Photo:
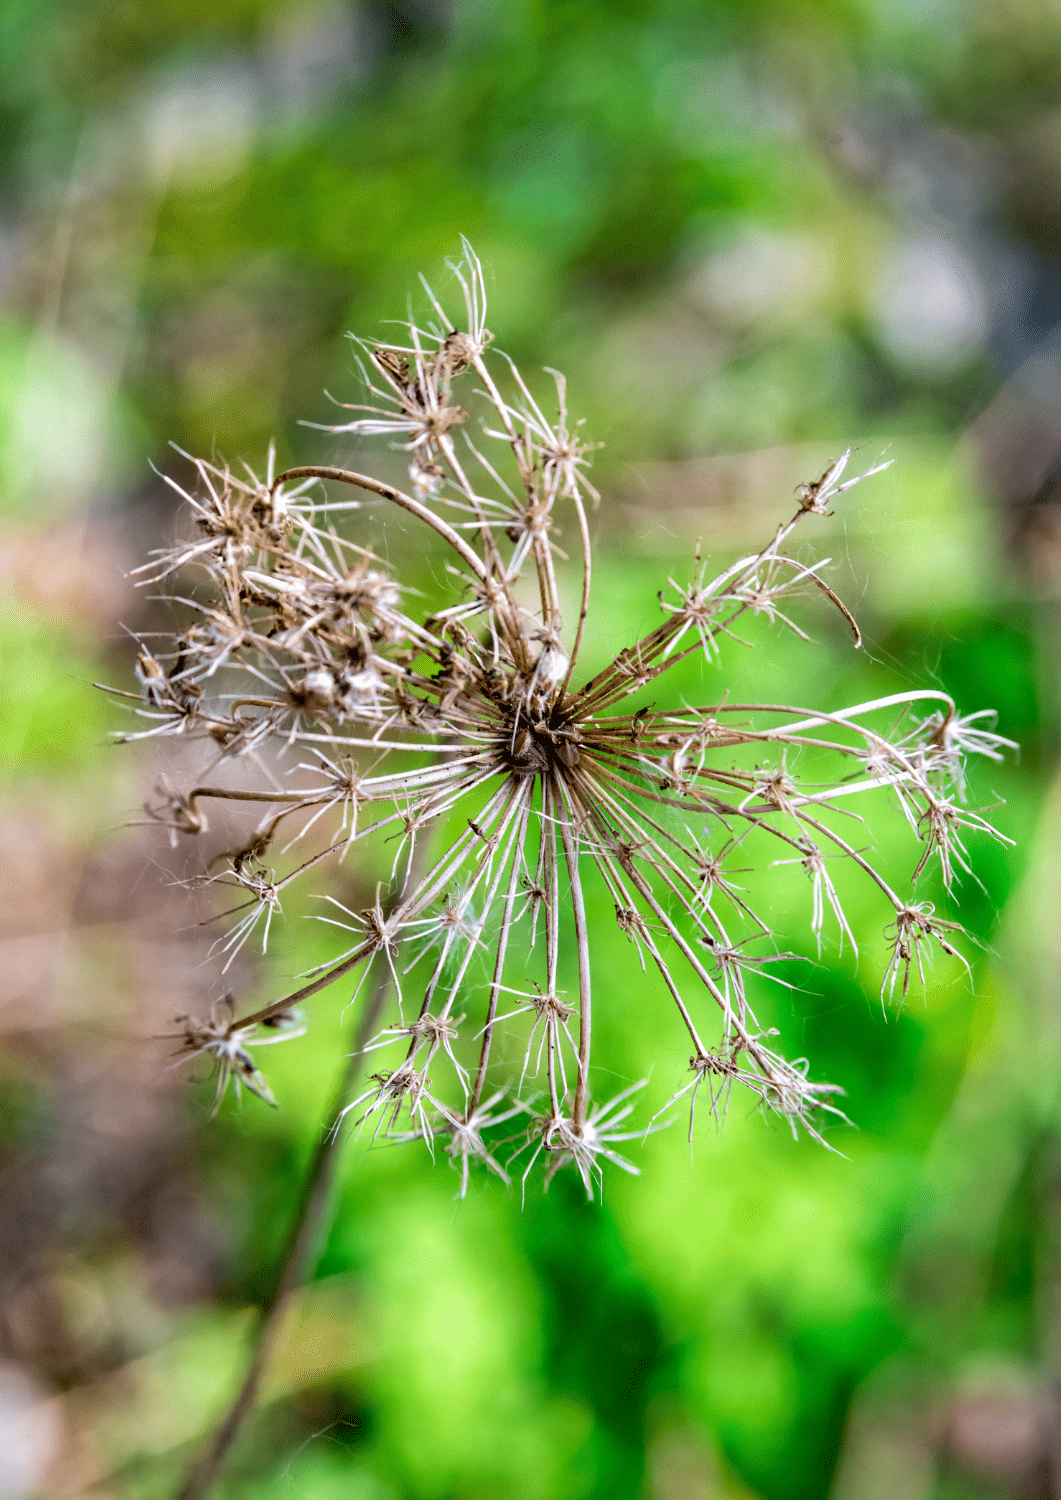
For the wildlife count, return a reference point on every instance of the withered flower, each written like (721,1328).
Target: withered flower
(470,728)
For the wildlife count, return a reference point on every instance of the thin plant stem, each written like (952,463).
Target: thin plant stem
(298,1256)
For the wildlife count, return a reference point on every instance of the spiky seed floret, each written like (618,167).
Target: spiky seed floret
(303,642)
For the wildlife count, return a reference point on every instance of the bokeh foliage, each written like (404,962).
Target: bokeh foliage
(732,225)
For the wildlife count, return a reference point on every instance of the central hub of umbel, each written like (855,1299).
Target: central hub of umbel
(542,746)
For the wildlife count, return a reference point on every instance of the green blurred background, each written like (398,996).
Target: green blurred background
(751,234)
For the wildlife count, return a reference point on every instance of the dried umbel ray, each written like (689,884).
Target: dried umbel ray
(472,730)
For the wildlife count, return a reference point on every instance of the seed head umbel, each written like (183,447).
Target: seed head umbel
(338,715)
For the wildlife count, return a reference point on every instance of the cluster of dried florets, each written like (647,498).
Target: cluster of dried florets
(467,729)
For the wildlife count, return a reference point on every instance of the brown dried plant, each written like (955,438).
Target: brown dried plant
(469,728)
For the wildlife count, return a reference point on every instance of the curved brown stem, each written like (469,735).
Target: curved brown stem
(399,497)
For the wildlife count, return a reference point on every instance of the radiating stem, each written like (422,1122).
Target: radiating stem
(585,1005)
(587,579)
(499,964)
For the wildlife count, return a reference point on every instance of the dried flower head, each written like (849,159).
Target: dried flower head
(469,729)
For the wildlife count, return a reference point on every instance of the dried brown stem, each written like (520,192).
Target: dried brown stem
(388,492)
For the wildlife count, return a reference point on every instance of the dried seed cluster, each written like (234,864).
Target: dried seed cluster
(469,728)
